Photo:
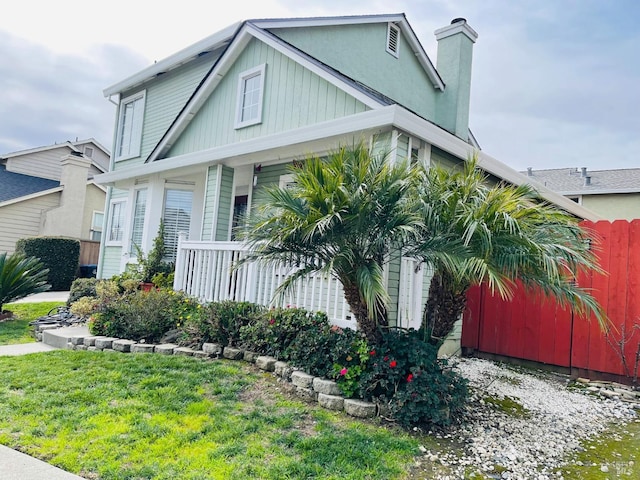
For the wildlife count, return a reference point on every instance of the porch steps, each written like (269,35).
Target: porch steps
(60,337)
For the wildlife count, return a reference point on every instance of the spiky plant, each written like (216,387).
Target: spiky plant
(20,276)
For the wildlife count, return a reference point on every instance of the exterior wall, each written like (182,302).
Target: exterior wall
(45,164)
(293,97)
(210,202)
(366,60)
(217,203)
(223,226)
(23,219)
(165,97)
(625,206)
(93,201)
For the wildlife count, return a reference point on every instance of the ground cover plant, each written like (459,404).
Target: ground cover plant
(17,329)
(157,417)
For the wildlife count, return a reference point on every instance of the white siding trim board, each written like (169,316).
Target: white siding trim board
(31,196)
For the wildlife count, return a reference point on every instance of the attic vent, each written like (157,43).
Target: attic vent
(393,39)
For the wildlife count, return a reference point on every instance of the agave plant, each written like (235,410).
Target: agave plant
(20,276)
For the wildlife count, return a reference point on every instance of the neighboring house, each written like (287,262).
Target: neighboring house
(200,133)
(612,194)
(50,191)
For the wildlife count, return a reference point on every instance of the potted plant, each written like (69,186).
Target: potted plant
(152,264)
(20,276)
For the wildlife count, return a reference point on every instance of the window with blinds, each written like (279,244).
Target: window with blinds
(178,205)
(137,224)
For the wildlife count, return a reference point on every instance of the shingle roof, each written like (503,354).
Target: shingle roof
(15,185)
(568,181)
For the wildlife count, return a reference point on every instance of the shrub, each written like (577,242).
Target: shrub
(150,265)
(59,255)
(220,322)
(85,306)
(139,315)
(405,375)
(20,276)
(82,287)
(273,332)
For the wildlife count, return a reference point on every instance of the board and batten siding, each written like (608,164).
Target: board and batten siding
(366,60)
(165,98)
(45,164)
(224,205)
(217,205)
(24,219)
(293,97)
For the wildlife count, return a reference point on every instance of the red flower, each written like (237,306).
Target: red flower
(343,372)
(393,364)
(372,353)
(410,378)
(272,321)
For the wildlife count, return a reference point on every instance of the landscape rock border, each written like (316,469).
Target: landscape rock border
(308,387)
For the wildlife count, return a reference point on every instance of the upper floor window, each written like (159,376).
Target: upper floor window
(129,133)
(393,39)
(250,92)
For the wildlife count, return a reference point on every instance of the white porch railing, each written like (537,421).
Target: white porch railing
(203,270)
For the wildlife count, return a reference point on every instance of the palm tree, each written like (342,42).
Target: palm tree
(346,214)
(20,276)
(507,233)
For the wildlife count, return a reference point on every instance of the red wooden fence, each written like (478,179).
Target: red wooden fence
(533,327)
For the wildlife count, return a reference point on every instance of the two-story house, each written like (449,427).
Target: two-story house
(200,132)
(51,191)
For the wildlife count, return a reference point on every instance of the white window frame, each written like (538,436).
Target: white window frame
(133,253)
(107,239)
(243,77)
(135,142)
(396,29)
(185,187)
(96,227)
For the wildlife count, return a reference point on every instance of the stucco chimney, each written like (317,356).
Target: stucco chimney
(66,219)
(455,54)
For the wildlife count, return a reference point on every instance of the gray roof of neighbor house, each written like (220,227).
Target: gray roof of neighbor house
(582,181)
(16,185)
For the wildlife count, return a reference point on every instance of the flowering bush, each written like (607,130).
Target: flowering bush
(405,376)
(350,364)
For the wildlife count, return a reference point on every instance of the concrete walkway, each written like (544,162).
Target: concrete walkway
(15,465)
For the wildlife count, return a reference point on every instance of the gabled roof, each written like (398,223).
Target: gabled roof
(224,37)
(581,181)
(16,185)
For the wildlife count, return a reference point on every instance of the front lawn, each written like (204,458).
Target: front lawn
(17,329)
(113,416)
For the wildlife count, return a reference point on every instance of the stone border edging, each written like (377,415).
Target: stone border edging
(325,392)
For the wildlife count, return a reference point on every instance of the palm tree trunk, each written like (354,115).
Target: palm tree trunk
(367,325)
(443,309)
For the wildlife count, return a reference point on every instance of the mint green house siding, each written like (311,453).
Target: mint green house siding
(165,97)
(217,204)
(293,97)
(223,226)
(366,60)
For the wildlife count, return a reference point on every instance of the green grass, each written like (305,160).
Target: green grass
(142,416)
(17,329)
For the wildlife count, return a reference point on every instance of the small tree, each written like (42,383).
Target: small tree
(154,263)
(20,276)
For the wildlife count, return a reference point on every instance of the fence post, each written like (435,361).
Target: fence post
(178,279)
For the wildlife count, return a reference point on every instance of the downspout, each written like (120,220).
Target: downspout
(105,219)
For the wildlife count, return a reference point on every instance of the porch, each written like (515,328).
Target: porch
(204,270)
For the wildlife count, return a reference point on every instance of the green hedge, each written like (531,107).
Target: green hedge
(59,255)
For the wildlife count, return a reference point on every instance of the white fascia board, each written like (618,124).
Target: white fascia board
(352,124)
(600,192)
(207,44)
(39,149)
(31,196)
(444,140)
(398,18)
(248,32)
(94,141)
(95,184)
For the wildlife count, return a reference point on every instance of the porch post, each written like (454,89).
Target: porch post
(178,279)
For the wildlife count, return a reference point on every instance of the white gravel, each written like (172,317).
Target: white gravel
(532,443)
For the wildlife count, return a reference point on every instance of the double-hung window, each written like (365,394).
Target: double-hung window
(250,93)
(115,229)
(95,233)
(137,224)
(129,133)
(178,204)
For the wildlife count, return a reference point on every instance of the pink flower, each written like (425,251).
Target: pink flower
(272,321)
(393,364)
(343,372)
(372,353)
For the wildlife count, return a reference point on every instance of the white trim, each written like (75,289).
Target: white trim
(285,180)
(135,144)
(392,27)
(31,196)
(596,192)
(455,28)
(107,233)
(39,149)
(209,43)
(258,71)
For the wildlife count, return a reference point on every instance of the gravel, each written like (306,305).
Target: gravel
(530,434)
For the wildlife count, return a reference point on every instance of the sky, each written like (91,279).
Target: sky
(555,83)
